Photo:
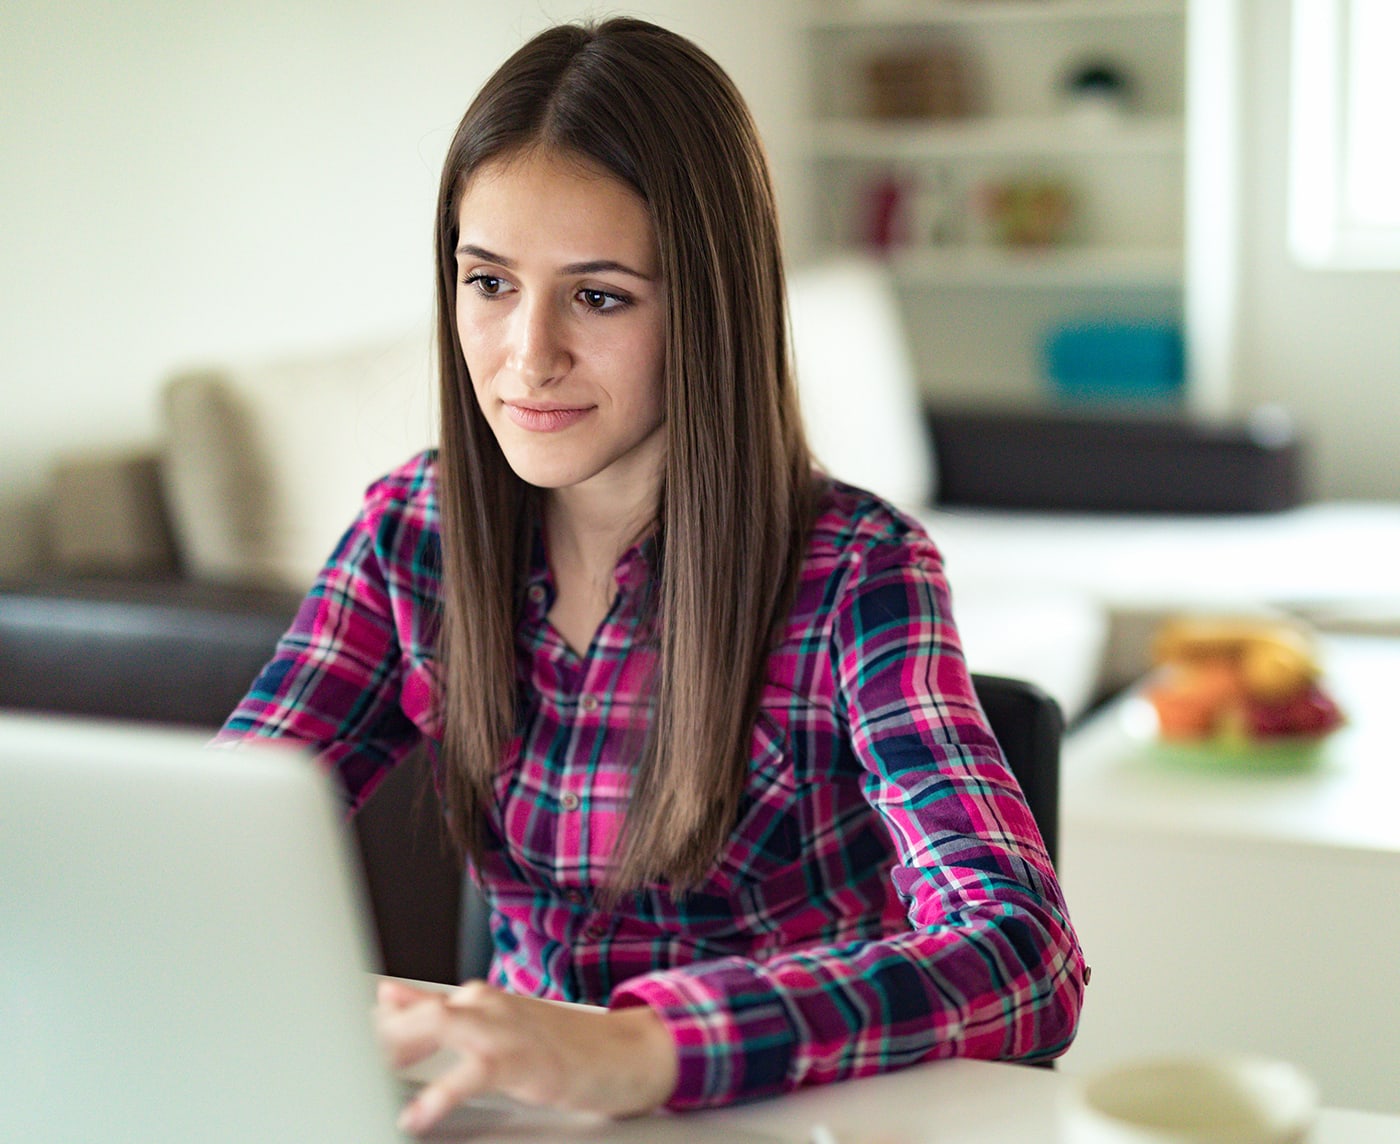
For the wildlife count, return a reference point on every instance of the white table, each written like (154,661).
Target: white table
(949,1102)
(1253,912)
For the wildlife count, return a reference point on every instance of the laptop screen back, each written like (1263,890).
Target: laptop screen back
(183,953)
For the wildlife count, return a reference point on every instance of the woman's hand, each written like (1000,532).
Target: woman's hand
(538,1052)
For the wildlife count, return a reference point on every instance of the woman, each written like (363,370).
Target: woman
(702,721)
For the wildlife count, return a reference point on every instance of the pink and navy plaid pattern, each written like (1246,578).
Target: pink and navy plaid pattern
(885,897)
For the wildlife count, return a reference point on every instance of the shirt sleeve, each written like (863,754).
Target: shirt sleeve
(336,678)
(989,965)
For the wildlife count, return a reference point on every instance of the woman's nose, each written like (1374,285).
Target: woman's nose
(538,353)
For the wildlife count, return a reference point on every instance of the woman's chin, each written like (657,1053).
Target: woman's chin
(548,476)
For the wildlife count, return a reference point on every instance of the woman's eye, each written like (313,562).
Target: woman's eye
(487,285)
(601,300)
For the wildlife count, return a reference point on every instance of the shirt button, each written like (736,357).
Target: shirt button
(569,801)
(594,930)
(574,896)
(589,703)
(536,593)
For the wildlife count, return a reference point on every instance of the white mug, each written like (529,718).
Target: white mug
(1195,1100)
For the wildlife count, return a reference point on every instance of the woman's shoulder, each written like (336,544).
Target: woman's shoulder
(414,479)
(409,488)
(400,509)
(859,542)
(849,519)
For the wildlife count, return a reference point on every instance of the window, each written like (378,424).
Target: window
(1344,194)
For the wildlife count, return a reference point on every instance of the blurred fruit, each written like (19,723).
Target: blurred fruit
(1274,671)
(1180,716)
(1215,682)
(1311,713)
(1238,681)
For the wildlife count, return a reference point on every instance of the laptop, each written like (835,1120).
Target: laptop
(185,955)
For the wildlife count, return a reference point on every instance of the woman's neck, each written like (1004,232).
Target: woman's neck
(586,535)
(589,528)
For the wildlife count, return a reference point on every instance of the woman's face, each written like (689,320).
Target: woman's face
(562,316)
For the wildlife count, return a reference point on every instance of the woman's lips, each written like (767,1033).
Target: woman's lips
(546,420)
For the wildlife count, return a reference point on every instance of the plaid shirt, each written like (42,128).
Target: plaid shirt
(885,896)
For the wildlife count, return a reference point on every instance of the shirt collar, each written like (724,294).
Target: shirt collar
(634,569)
(539,585)
(638,564)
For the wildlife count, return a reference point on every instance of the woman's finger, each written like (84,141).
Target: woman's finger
(398,995)
(473,993)
(467,1078)
(408,1035)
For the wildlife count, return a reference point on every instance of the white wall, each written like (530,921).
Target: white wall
(1325,344)
(186,181)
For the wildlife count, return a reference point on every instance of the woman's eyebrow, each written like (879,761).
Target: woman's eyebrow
(594,266)
(603,266)
(485,255)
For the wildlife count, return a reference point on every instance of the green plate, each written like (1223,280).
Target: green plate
(1272,756)
(1224,753)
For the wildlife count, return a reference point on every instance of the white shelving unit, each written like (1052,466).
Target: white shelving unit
(1080,267)
(979,311)
(861,139)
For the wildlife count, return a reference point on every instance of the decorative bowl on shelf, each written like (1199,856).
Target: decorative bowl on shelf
(1027,213)
(1114,359)
(930,82)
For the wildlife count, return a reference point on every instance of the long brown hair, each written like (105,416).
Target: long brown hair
(661,116)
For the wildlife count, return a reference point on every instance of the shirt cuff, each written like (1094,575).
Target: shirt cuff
(734,1037)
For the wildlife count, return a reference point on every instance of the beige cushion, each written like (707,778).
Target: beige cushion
(106,515)
(855,378)
(266,465)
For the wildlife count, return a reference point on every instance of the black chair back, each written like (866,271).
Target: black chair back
(1029,726)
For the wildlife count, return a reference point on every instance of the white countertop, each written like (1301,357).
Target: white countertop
(948,1102)
(1254,912)
(1114,775)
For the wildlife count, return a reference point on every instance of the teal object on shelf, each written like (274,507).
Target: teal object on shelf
(1133,361)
